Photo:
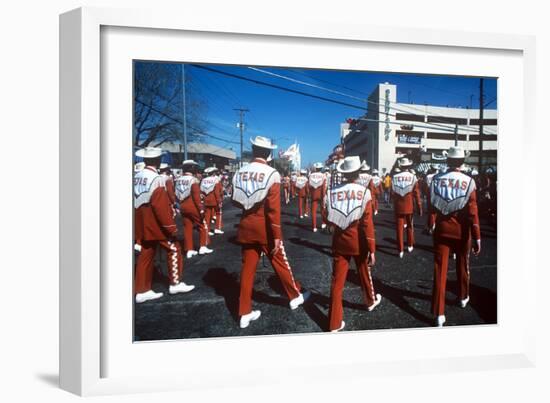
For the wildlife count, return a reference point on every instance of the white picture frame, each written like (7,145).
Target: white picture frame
(85,345)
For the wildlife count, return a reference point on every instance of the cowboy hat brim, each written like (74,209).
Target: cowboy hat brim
(341,169)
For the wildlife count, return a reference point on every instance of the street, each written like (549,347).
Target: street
(405,285)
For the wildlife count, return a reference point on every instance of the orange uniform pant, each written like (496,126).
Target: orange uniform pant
(375,202)
(250,257)
(292,190)
(191,221)
(144,267)
(209,213)
(400,221)
(301,201)
(340,266)
(314,205)
(443,247)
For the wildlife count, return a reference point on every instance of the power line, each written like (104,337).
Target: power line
(258,82)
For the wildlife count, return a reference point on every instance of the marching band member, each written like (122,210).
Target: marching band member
(192,209)
(210,194)
(303,192)
(349,210)
(431,214)
(166,173)
(286,188)
(219,208)
(454,200)
(316,188)
(365,179)
(256,189)
(377,182)
(293,178)
(404,192)
(155,226)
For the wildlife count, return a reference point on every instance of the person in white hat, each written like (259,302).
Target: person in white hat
(317,188)
(302,190)
(349,211)
(405,191)
(293,177)
(192,209)
(218,230)
(365,179)
(166,173)
(285,180)
(210,194)
(378,189)
(155,226)
(454,200)
(256,190)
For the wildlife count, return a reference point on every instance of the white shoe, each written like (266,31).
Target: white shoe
(218,231)
(180,287)
(148,296)
(323,226)
(204,250)
(410,248)
(454,256)
(401,255)
(464,302)
(249,317)
(296,302)
(375,212)
(191,253)
(375,303)
(301,216)
(137,247)
(305,215)
(211,233)
(340,328)
(404,225)
(314,229)
(440,320)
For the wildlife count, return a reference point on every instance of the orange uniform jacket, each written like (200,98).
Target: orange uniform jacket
(212,199)
(355,238)
(193,204)
(262,223)
(405,204)
(316,193)
(303,192)
(460,224)
(169,183)
(154,221)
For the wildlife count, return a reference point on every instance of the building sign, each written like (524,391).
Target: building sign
(408,139)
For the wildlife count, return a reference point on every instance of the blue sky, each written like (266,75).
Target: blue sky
(314,123)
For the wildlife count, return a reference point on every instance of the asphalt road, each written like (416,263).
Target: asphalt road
(405,285)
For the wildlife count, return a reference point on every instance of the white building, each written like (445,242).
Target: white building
(391,129)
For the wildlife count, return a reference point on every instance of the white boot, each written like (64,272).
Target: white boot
(464,302)
(375,303)
(314,229)
(191,253)
(210,233)
(180,287)
(147,296)
(323,226)
(296,302)
(410,249)
(440,320)
(218,231)
(401,255)
(340,328)
(249,317)
(204,250)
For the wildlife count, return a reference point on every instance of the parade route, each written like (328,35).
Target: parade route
(405,285)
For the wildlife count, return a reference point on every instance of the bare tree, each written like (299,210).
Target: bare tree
(158,105)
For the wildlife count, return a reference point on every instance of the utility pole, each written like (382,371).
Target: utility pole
(241,127)
(456,135)
(184,112)
(481,106)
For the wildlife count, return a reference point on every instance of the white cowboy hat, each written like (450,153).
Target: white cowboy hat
(349,165)
(404,162)
(456,152)
(149,152)
(139,166)
(209,169)
(318,165)
(365,166)
(189,162)
(164,165)
(374,171)
(263,142)
(303,171)
(475,172)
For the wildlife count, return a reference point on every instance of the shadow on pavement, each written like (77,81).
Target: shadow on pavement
(225,285)
(324,249)
(482,300)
